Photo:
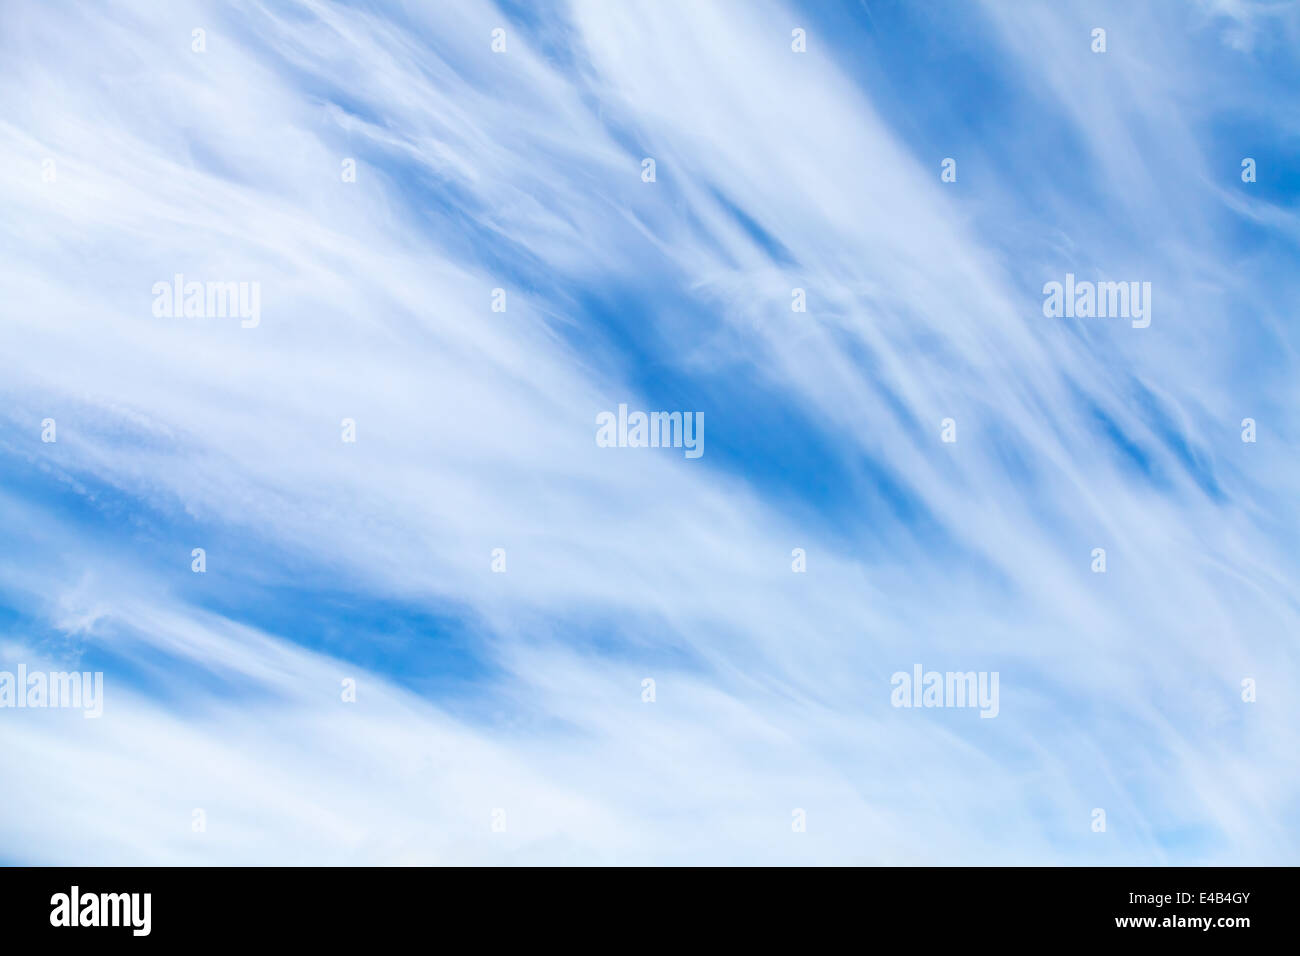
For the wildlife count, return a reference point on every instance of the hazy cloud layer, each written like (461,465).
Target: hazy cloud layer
(522,691)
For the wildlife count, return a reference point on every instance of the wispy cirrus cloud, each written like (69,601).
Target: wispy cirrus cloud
(522,691)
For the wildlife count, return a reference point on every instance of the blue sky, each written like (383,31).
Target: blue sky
(131,157)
